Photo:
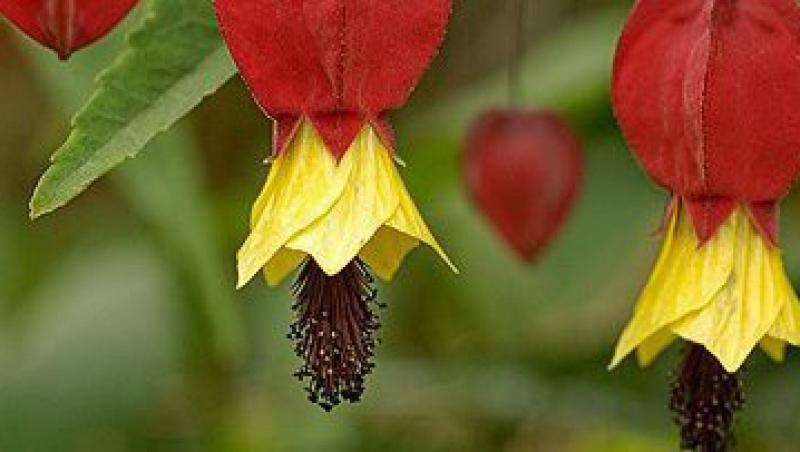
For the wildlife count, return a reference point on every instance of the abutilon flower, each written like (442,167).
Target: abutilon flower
(66,26)
(706,93)
(523,170)
(329,72)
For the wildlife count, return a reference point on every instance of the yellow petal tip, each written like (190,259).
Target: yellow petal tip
(615,361)
(245,274)
(453,268)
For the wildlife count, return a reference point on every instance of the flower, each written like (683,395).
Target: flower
(523,170)
(66,26)
(705,92)
(329,73)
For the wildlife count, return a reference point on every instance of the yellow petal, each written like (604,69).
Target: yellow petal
(686,277)
(649,350)
(407,219)
(368,200)
(282,264)
(303,184)
(386,250)
(787,325)
(332,211)
(786,329)
(740,315)
(774,348)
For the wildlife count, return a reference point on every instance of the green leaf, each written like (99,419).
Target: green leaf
(172,62)
(164,189)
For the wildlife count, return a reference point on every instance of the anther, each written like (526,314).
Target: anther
(334,332)
(705,401)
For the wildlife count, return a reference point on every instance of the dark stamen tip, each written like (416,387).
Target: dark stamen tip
(334,332)
(705,401)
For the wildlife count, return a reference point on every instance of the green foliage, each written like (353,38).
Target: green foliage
(165,189)
(173,61)
(107,349)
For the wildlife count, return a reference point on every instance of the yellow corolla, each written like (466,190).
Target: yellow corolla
(728,295)
(333,211)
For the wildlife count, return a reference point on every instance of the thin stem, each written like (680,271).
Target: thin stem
(516,50)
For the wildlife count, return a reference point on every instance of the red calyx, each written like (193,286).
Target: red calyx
(66,26)
(706,93)
(339,63)
(523,170)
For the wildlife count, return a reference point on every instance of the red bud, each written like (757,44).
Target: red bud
(707,94)
(523,171)
(340,63)
(66,25)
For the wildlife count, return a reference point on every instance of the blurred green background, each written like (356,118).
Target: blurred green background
(120,329)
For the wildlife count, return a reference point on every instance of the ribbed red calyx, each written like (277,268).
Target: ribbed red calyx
(707,95)
(523,170)
(66,26)
(339,63)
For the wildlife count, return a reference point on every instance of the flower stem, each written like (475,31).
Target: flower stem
(516,51)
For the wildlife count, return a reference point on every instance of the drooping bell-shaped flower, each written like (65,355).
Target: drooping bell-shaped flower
(523,170)
(66,26)
(706,93)
(329,72)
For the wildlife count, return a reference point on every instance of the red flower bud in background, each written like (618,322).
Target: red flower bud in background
(707,95)
(523,170)
(66,26)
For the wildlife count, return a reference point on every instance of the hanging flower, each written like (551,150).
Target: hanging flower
(66,26)
(328,73)
(523,170)
(706,92)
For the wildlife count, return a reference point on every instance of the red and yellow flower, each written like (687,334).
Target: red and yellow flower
(706,93)
(328,73)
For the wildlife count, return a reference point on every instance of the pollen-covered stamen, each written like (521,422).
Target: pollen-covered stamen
(705,400)
(334,332)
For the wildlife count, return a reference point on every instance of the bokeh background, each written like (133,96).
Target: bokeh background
(120,329)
